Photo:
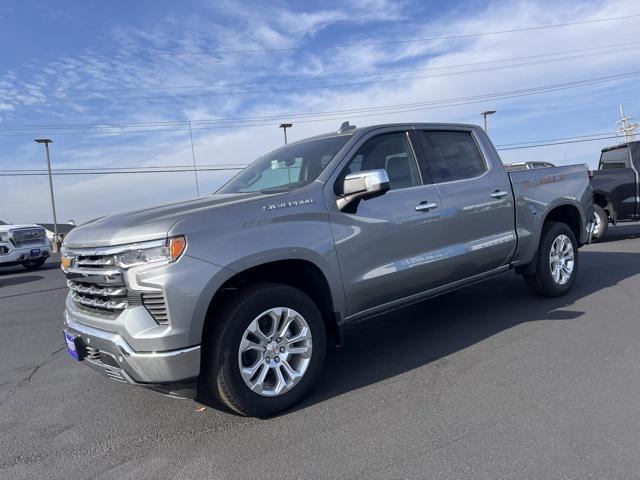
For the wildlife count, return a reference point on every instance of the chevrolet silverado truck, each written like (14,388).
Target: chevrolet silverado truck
(234,298)
(25,245)
(616,187)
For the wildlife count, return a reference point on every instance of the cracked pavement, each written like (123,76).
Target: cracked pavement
(485,382)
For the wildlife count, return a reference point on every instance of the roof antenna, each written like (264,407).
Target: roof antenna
(345,127)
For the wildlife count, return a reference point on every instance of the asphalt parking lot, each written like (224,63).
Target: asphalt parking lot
(486,382)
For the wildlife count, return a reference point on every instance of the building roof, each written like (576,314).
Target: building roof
(63,228)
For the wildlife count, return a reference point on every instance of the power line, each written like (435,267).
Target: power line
(558,143)
(556,139)
(188,169)
(336,114)
(150,167)
(111,172)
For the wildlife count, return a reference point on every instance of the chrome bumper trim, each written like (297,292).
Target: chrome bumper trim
(137,367)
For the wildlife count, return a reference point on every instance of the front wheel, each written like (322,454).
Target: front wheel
(557,262)
(34,264)
(264,350)
(601,223)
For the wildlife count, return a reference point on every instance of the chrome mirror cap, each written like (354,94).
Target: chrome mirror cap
(367,183)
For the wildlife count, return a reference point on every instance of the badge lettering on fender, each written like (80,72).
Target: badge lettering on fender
(292,203)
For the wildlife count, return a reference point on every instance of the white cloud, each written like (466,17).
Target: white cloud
(233,26)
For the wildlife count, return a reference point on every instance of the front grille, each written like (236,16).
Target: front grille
(156,306)
(29,237)
(97,286)
(102,298)
(95,261)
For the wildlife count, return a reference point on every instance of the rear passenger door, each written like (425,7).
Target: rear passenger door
(477,201)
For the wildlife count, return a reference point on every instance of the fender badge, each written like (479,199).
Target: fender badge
(292,203)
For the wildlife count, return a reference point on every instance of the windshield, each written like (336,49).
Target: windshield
(286,168)
(618,158)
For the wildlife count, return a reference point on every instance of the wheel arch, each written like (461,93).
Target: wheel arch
(602,200)
(301,273)
(567,213)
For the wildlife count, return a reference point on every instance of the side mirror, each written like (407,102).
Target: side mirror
(367,183)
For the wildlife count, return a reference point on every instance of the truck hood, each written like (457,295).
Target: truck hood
(149,223)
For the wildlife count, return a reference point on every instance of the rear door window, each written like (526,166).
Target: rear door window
(451,156)
(618,158)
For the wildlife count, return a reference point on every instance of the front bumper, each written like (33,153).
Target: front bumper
(16,256)
(109,353)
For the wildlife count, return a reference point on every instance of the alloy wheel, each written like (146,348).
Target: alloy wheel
(561,259)
(275,351)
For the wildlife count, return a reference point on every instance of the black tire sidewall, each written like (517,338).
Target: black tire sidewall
(34,264)
(604,222)
(256,301)
(550,233)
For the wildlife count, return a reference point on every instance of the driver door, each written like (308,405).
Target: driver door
(389,247)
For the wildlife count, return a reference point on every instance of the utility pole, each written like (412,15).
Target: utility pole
(284,127)
(627,128)
(46,142)
(193,156)
(485,115)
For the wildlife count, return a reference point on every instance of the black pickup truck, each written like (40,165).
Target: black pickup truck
(616,187)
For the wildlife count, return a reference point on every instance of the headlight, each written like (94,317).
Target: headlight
(170,252)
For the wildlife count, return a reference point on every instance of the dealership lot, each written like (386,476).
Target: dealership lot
(487,382)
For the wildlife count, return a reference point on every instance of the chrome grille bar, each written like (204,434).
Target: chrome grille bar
(93,289)
(109,305)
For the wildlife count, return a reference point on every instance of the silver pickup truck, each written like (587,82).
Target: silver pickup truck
(25,245)
(234,297)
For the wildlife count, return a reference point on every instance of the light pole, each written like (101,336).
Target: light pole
(46,142)
(193,156)
(485,115)
(284,127)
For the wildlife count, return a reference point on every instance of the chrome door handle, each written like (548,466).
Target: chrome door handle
(425,207)
(499,194)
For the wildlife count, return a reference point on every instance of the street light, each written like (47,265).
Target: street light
(485,114)
(284,127)
(46,142)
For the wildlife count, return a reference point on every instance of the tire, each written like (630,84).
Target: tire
(601,223)
(543,281)
(34,264)
(262,305)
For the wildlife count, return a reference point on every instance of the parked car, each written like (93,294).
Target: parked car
(616,187)
(240,292)
(25,245)
(512,167)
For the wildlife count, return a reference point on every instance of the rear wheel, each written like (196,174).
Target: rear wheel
(557,262)
(264,351)
(34,264)
(601,223)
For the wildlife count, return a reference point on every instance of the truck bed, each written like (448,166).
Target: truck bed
(531,191)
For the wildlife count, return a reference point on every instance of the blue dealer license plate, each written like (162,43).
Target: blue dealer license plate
(72,345)
(35,252)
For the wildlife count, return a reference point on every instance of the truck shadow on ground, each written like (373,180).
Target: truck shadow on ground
(415,336)
(18,269)
(11,281)
(622,232)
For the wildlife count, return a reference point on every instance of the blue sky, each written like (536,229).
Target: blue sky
(147,67)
